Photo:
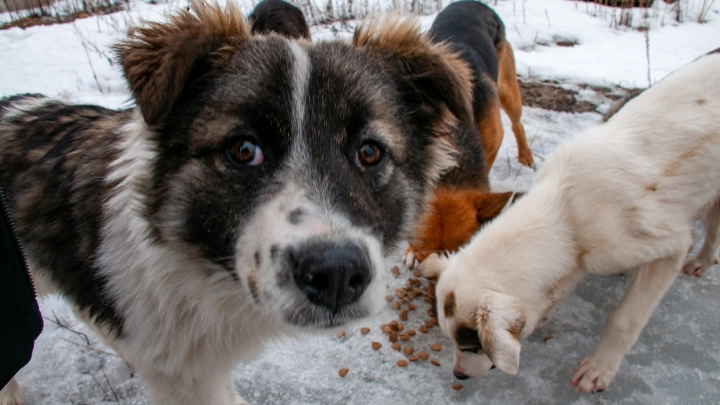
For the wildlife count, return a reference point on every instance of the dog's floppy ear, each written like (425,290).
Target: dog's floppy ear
(434,81)
(159,59)
(490,205)
(499,325)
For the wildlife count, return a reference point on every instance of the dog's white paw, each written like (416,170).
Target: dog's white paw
(696,267)
(433,265)
(409,259)
(594,373)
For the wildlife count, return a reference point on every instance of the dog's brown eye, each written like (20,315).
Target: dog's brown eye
(246,153)
(369,154)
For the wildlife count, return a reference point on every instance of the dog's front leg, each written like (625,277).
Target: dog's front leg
(707,256)
(647,287)
(208,389)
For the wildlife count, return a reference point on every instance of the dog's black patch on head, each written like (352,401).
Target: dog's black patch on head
(467,339)
(249,101)
(348,96)
(296,216)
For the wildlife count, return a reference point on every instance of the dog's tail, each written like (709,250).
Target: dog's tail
(6,102)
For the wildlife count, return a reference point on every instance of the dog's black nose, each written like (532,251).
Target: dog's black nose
(460,376)
(332,275)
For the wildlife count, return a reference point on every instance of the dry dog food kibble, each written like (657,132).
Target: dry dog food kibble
(413,358)
(364,331)
(404,337)
(411,332)
(400,292)
(435,363)
(408,350)
(343,372)
(341,334)
(402,363)
(396,346)
(395,270)
(393,338)
(376,345)
(457,387)
(423,328)
(416,273)
(435,347)
(423,354)
(388,298)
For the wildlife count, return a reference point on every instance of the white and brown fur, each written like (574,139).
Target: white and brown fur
(621,197)
(186,259)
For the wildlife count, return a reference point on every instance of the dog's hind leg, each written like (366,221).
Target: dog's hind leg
(491,131)
(707,256)
(10,395)
(647,287)
(511,101)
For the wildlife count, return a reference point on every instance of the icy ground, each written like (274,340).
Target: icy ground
(676,361)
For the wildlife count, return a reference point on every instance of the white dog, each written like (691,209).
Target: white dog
(620,198)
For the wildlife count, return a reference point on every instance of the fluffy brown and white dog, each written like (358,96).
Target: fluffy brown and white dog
(620,198)
(463,201)
(253,192)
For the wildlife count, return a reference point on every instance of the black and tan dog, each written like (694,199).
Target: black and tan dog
(477,33)
(463,201)
(280,17)
(253,191)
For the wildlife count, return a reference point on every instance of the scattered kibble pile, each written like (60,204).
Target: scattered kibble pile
(405,300)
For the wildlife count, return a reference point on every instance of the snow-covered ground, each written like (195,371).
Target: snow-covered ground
(676,361)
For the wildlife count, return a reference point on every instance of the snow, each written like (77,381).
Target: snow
(676,361)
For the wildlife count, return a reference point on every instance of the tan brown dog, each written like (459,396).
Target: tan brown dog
(463,201)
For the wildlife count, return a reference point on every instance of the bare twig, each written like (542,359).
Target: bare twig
(647,54)
(98,383)
(110,385)
(64,325)
(91,348)
(548,17)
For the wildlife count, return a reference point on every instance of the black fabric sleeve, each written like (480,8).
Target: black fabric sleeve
(20,319)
